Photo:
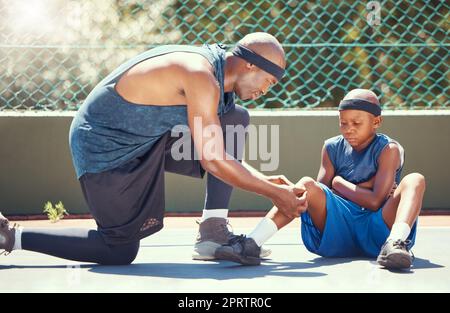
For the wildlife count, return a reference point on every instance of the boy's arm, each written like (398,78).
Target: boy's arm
(372,199)
(326,171)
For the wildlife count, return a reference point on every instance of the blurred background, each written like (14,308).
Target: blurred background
(53,52)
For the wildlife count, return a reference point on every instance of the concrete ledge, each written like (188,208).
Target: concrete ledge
(36,166)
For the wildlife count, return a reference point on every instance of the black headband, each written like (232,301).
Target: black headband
(361,105)
(261,62)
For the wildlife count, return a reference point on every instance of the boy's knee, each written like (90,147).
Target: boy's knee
(307,182)
(239,116)
(414,180)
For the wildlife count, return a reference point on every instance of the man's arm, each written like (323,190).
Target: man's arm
(384,180)
(326,171)
(254,171)
(202,96)
(276,179)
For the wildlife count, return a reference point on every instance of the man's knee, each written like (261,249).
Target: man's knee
(239,116)
(414,180)
(121,255)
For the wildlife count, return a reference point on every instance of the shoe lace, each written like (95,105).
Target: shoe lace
(227,228)
(236,239)
(4,223)
(403,244)
(222,229)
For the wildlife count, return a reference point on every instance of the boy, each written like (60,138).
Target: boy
(358,206)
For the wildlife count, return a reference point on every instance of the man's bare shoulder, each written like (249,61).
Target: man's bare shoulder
(194,63)
(197,72)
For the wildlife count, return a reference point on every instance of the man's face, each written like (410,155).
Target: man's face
(357,126)
(253,84)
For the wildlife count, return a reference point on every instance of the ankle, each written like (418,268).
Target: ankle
(18,238)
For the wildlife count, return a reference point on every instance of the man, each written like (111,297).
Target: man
(121,147)
(358,206)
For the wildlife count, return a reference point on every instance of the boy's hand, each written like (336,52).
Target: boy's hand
(279,180)
(368,184)
(335,181)
(394,187)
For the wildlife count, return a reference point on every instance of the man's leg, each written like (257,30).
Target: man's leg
(127,204)
(213,230)
(399,214)
(246,250)
(81,245)
(218,193)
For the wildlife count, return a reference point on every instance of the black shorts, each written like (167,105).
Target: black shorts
(127,202)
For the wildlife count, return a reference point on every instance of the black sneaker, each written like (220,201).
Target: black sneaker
(395,254)
(212,234)
(241,250)
(7,235)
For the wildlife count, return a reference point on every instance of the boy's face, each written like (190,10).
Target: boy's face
(358,127)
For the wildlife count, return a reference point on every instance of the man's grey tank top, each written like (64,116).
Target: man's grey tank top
(108,131)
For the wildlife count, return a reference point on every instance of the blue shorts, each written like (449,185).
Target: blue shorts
(350,230)
(128,202)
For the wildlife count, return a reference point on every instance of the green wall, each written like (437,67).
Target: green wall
(36,166)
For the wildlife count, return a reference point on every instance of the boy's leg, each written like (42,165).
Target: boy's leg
(316,208)
(399,214)
(317,201)
(245,250)
(404,206)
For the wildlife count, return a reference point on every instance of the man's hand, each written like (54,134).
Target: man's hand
(291,201)
(279,180)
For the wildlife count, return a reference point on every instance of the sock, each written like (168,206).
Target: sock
(222,213)
(400,230)
(263,231)
(18,239)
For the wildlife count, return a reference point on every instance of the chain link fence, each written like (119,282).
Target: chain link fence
(53,52)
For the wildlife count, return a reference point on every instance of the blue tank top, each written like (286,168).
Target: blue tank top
(108,131)
(357,167)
